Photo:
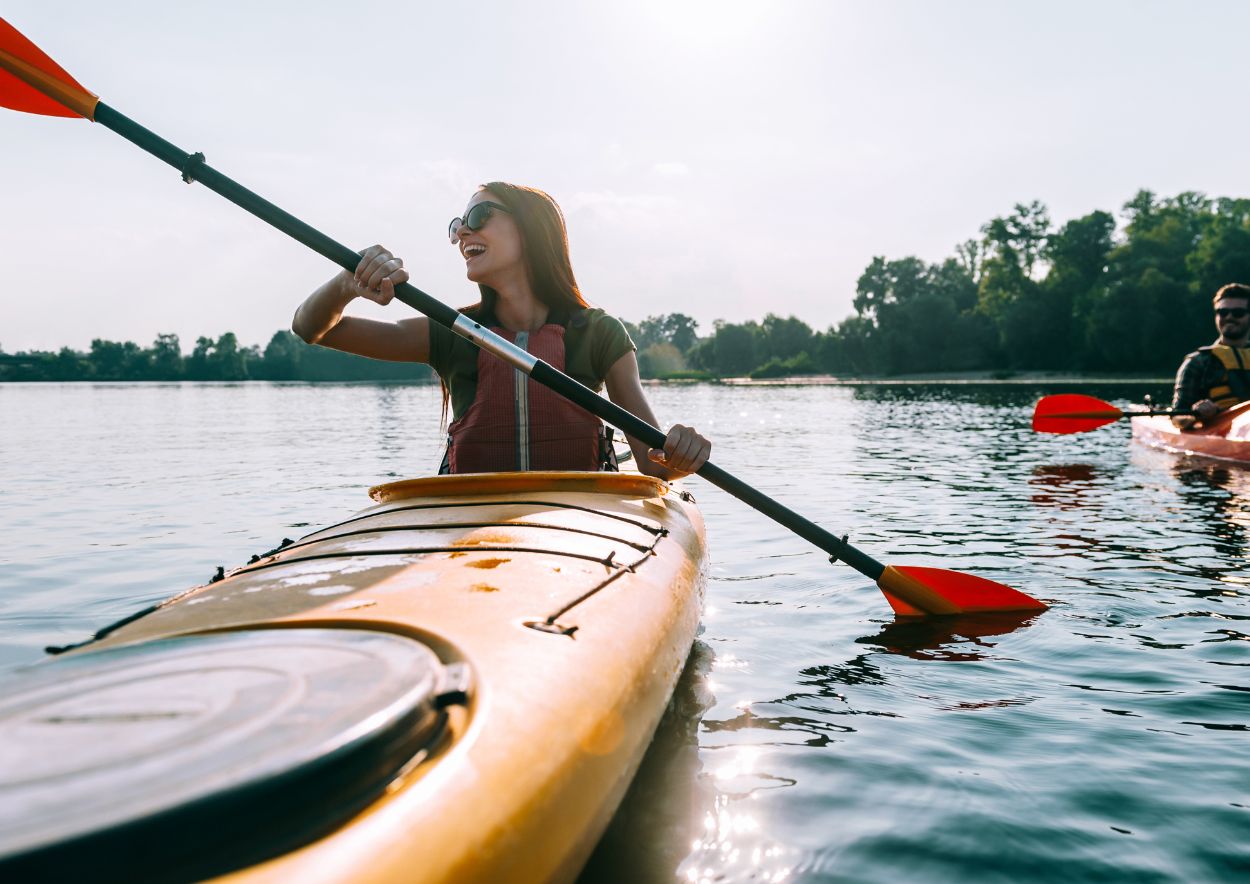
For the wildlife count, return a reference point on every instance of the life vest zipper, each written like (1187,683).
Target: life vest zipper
(521,386)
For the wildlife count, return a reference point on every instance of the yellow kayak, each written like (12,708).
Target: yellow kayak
(456,684)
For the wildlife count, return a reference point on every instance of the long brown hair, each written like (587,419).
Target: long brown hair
(544,248)
(544,245)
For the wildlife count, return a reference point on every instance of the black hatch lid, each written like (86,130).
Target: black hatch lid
(186,757)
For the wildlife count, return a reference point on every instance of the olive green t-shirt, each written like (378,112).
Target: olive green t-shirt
(593,341)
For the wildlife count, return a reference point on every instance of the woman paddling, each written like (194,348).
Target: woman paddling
(515,248)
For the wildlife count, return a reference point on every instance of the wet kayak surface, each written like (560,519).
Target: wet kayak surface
(813,737)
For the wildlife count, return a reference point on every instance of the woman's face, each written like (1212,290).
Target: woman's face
(493,252)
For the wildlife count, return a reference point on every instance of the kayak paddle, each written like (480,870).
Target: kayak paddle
(31,81)
(1077,413)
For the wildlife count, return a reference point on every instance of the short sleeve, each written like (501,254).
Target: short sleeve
(441,340)
(609,342)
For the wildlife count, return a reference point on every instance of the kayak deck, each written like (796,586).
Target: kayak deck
(571,600)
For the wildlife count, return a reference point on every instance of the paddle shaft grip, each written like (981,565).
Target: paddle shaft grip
(193,167)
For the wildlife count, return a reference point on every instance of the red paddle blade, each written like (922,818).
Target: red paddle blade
(1073,413)
(30,81)
(913,591)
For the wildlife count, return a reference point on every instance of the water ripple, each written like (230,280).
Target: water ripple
(813,736)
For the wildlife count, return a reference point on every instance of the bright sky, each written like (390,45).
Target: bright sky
(722,159)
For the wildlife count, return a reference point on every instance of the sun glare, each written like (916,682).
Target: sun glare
(705,22)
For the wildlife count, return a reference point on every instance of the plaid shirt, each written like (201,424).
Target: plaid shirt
(1200,371)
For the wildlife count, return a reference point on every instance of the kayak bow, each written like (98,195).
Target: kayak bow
(456,684)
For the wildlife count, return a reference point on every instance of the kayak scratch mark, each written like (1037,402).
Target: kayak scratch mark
(484,587)
(115,717)
(480,539)
(351,605)
(457,555)
(486,564)
(333,589)
(305,579)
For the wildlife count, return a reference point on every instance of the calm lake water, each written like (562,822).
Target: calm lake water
(813,737)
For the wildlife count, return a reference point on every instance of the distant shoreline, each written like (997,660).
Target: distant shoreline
(956,378)
(953,379)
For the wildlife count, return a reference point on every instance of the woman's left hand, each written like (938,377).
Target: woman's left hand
(684,451)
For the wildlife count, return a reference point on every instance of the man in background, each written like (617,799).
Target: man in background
(1217,377)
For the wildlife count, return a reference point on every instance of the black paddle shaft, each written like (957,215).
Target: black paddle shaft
(193,168)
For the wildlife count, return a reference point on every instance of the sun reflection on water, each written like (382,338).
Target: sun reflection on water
(734,844)
(742,764)
(726,849)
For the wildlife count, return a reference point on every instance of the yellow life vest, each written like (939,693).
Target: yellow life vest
(1235,386)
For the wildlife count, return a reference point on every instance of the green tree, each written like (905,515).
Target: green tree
(660,360)
(1008,294)
(1011,247)
(117,361)
(198,365)
(969,256)
(783,339)
(1222,254)
(915,317)
(850,348)
(801,363)
(1078,256)
(1150,314)
(69,365)
(953,281)
(681,331)
(677,329)
(227,362)
(884,283)
(703,355)
(166,359)
(281,361)
(733,348)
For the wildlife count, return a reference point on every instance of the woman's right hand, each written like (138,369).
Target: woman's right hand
(319,319)
(377,274)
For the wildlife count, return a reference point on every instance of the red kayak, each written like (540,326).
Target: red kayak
(1227,437)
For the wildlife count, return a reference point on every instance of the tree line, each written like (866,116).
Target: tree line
(284,358)
(1090,295)
(1025,295)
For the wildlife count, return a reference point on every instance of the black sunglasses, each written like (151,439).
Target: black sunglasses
(474,219)
(1231,312)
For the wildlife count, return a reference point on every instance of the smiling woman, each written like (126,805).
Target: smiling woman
(515,248)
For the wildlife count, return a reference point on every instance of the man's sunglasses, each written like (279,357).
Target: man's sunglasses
(474,219)
(1232,312)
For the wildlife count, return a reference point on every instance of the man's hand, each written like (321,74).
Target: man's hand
(1205,409)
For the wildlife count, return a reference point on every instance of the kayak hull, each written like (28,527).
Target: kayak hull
(572,601)
(1226,438)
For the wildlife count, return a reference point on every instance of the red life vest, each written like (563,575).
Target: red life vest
(515,423)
